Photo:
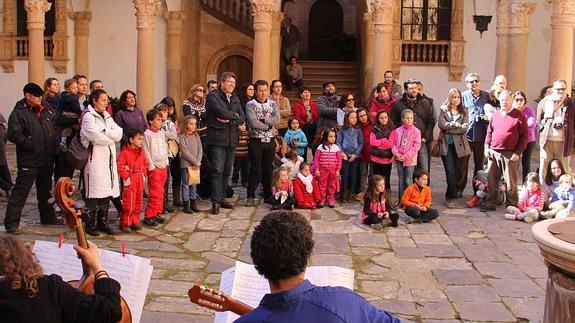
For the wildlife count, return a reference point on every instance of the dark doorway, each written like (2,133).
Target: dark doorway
(240,66)
(325,22)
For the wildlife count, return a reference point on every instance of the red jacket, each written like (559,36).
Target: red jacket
(300,113)
(376,106)
(131,161)
(303,199)
(366,150)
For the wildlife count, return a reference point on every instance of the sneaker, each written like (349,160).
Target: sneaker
(125,229)
(13,231)
(376,227)
(160,219)
(452,204)
(544,215)
(509,216)
(331,205)
(226,205)
(249,202)
(359,197)
(136,227)
(528,219)
(151,222)
(487,208)
(319,205)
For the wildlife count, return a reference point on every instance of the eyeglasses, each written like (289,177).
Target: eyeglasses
(350,100)
(519,100)
(560,89)
(200,90)
(473,81)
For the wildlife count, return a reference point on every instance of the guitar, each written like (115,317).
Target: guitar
(216,300)
(64,189)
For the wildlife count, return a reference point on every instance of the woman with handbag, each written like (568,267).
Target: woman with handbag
(453,146)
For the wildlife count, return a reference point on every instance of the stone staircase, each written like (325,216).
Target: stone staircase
(315,73)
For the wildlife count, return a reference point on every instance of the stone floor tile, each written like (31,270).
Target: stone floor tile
(330,243)
(431,239)
(432,295)
(176,305)
(458,277)
(371,239)
(484,311)
(380,288)
(447,263)
(201,241)
(397,307)
(469,293)
(478,253)
(528,308)
(436,310)
(163,287)
(499,270)
(408,253)
(440,251)
(322,259)
(516,287)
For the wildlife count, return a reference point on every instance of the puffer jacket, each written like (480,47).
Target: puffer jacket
(32,130)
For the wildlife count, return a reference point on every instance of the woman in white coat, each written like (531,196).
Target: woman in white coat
(100,134)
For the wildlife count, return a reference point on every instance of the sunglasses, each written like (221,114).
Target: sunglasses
(473,81)
(200,90)
(350,100)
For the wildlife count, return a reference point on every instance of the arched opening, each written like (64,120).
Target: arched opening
(325,22)
(239,65)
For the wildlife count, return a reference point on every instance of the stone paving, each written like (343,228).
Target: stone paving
(465,266)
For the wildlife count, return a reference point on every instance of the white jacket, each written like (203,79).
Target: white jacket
(101,171)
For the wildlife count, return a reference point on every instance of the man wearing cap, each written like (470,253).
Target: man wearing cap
(31,129)
(327,104)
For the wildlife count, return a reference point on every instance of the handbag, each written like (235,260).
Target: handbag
(193,175)
(77,155)
(435,148)
(174,147)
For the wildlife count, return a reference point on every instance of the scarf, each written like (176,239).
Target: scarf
(307,181)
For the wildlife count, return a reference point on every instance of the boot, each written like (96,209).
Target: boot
(90,224)
(176,195)
(103,225)
(348,196)
(187,207)
(473,201)
(193,206)
(342,193)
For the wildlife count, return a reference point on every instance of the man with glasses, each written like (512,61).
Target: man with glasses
(474,100)
(223,115)
(556,118)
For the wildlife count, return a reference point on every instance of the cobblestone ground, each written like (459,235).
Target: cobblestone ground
(466,266)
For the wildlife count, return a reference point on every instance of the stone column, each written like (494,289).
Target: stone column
(262,11)
(518,39)
(60,38)
(368,59)
(35,10)
(561,58)
(82,41)
(145,23)
(7,36)
(192,72)
(276,45)
(501,52)
(457,45)
(174,56)
(382,26)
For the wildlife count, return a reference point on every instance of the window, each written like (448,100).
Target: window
(426,20)
(22,18)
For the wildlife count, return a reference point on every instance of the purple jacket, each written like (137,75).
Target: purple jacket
(411,146)
(127,119)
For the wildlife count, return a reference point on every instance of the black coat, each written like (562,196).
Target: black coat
(424,118)
(57,301)
(33,134)
(217,107)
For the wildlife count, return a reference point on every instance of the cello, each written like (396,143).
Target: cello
(64,190)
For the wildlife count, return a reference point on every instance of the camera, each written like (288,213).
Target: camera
(558,125)
(479,118)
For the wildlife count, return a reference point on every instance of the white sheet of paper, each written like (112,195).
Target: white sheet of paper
(244,284)
(132,272)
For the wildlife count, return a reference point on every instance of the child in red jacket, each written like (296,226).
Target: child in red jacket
(132,166)
(305,188)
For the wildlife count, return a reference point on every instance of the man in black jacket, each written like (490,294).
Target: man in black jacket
(31,128)
(424,119)
(223,115)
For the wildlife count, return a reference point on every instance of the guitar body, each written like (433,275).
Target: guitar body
(64,189)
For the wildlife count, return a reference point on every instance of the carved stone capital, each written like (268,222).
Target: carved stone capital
(175,20)
(7,53)
(146,13)
(562,12)
(263,13)
(382,12)
(519,14)
(9,17)
(81,22)
(36,10)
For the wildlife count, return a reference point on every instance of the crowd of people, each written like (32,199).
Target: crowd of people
(305,156)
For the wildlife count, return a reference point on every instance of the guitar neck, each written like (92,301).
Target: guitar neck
(239,307)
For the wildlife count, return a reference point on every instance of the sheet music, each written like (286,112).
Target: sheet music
(244,284)
(132,272)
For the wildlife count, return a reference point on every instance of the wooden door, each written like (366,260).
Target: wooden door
(238,65)
(325,22)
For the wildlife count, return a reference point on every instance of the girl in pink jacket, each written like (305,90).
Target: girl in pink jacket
(406,142)
(531,201)
(327,164)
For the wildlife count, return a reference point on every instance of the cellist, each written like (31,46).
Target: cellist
(26,295)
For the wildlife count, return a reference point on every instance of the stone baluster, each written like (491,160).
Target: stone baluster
(35,10)
(561,55)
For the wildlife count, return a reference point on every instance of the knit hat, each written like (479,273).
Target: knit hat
(328,82)
(34,89)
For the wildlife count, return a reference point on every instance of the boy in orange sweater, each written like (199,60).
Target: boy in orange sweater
(416,199)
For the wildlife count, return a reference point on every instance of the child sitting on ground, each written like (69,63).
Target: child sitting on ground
(280,151)
(377,211)
(480,182)
(282,190)
(132,168)
(416,198)
(305,188)
(291,162)
(531,201)
(563,199)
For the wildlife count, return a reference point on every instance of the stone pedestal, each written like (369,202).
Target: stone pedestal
(263,12)
(174,56)
(145,23)
(561,55)
(382,26)
(35,10)
(559,257)
(82,41)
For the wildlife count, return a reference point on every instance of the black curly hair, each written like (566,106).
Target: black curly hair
(281,245)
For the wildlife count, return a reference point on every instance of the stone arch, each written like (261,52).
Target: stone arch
(223,53)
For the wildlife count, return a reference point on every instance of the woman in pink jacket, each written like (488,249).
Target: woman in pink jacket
(406,141)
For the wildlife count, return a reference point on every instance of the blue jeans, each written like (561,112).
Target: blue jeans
(405,175)
(188,191)
(423,157)
(222,159)
(349,174)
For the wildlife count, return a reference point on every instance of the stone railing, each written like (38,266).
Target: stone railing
(425,52)
(21,47)
(235,13)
